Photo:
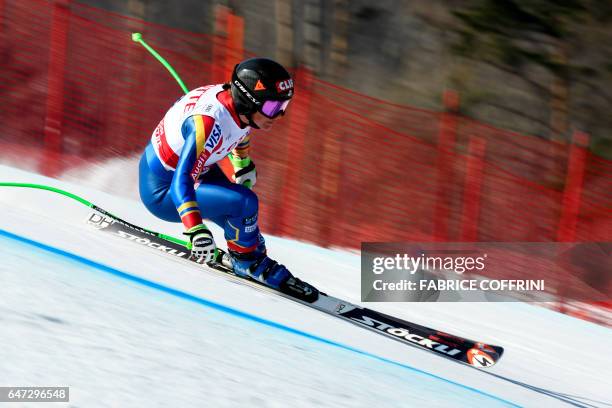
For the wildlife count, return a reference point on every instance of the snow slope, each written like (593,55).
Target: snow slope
(70,318)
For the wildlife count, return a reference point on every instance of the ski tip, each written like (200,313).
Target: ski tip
(483,356)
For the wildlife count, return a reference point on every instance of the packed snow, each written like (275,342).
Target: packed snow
(82,309)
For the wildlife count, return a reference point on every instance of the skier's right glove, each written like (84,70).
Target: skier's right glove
(203,248)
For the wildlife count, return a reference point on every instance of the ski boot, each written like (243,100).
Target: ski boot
(258,266)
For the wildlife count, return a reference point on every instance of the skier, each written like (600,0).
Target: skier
(180,177)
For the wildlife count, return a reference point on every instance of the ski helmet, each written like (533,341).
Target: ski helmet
(261,85)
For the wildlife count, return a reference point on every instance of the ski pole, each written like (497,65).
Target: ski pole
(96,208)
(137,37)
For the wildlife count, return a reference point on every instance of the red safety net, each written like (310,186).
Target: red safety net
(339,169)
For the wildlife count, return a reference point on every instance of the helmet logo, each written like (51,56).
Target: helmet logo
(246,93)
(284,86)
(259,86)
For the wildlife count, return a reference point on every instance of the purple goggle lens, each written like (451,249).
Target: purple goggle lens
(272,109)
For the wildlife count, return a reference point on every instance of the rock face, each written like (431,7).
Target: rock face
(400,51)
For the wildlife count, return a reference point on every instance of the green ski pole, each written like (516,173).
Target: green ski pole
(137,37)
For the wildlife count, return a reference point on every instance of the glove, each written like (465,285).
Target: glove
(203,248)
(244,171)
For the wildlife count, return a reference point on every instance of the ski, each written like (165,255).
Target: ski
(459,349)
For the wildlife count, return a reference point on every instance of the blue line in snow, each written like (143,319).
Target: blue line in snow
(235,312)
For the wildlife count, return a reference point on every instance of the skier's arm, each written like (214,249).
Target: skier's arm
(243,149)
(195,130)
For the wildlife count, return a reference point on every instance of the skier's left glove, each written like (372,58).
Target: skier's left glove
(244,171)
(203,247)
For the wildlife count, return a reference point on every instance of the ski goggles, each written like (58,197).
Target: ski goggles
(272,109)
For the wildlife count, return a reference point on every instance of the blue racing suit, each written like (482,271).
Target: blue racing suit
(179,175)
